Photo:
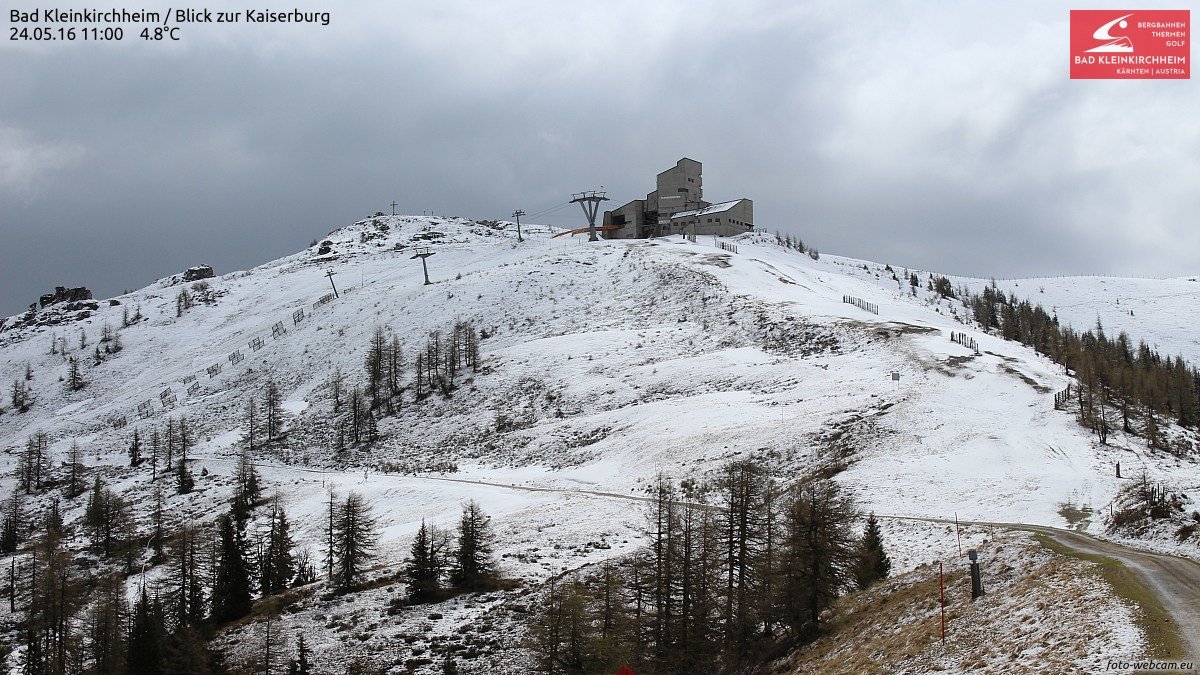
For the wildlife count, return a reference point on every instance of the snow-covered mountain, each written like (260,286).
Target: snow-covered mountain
(602,365)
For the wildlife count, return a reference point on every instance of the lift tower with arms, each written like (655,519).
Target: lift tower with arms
(590,201)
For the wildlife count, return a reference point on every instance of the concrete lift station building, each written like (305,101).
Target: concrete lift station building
(677,206)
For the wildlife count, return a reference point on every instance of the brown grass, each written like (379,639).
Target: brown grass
(1037,617)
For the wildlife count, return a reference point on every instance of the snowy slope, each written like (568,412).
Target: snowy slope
(607,363)
(662,355)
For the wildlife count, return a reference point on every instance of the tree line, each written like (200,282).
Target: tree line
(166,449)
(736,569)
(1123,385)
(380,391)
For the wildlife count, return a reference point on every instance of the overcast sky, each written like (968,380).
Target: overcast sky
(941,136)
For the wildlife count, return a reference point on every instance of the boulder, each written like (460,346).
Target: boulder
(198,272)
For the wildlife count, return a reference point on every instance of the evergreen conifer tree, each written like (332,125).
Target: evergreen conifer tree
(427,564)
(353,537)
(273,411)
(135,449)
(873,563)
(12,525)
(474,569)
(300,665)
(278,564)
(231,588)
(147,638)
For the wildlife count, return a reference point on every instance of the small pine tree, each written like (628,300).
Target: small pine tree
(158,531)
(12,524)
(337,385)
(873,563)
(300,665)
(184,480)
(278,565)
(53,524)
(427,564)
(247,491)
(155,452)
(183,302)
(75,380)
(93,515)
(273,411)
(147,639)
(21,398)
(107,621)
(474,569)
(74,477)
(35,461)
(251,425)
(231,588)
(135,449)
(354,538)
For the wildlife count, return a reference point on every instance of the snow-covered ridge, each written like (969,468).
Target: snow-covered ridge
(601,329)
(604,364)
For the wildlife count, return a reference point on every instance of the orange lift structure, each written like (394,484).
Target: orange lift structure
(581,230)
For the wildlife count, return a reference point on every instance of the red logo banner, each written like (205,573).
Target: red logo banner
(1132,44)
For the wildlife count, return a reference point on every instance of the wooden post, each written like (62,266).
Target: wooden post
(942,588)
(958,533)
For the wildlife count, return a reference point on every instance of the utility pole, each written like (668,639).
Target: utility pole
(423,254)
(590,202)
(330,274)
(394,205)
(517,214)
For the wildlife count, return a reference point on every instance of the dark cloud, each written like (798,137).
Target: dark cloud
(937,137)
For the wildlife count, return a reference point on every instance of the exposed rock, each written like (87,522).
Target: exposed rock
(62,294)
(198,272)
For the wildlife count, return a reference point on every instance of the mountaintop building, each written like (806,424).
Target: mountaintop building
(677,206)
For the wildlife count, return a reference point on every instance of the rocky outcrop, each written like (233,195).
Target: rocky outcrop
(198,272)
(62,294)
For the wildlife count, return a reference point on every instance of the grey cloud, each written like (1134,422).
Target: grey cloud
(941,137)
